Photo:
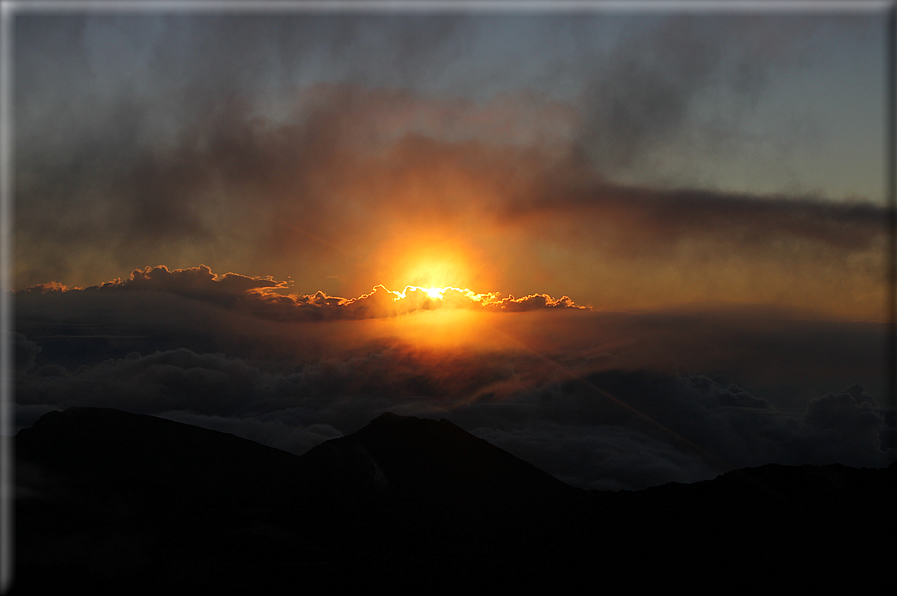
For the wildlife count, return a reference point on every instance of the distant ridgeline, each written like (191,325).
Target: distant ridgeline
(125,503)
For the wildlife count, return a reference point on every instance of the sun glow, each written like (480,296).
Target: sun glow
(435,293)
(429,258)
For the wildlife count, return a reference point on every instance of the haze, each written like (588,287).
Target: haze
(674,222)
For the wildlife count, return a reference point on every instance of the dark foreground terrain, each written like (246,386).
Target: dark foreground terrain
(124,503)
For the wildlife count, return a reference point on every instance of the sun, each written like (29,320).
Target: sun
(412,291)
(427,259)
(433,274)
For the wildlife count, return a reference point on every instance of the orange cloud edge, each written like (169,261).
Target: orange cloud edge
(268,294)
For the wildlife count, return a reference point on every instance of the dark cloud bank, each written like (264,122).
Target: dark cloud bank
(601,400)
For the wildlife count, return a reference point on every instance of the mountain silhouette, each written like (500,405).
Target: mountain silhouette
(418,460)
(136,453)
(120,502)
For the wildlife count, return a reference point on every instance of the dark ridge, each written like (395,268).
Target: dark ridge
(138,453)
(431,461)
(112,502)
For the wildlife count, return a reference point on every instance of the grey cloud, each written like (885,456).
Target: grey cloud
(268,186)
(661,218)
(634,429)
(733,396)
(644,92)
(600,457)
(611,429)
(149,384)
(25,353)
(847,427)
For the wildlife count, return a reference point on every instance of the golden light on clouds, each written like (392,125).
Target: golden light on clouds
(430,257)
(451,297)
(383,302)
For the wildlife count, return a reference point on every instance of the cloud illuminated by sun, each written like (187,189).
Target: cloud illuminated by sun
(269,298)
(381,301)
(440,294)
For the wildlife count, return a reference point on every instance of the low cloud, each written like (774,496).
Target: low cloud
(601,400)
(198,282)
(265,297)
(608,430)
(630,430)
(25,353)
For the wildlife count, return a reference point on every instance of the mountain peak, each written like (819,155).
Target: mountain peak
(392,418)
(428,459)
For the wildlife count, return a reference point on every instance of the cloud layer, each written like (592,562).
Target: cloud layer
(602,400)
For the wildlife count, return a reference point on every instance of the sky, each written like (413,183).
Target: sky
(631,247)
